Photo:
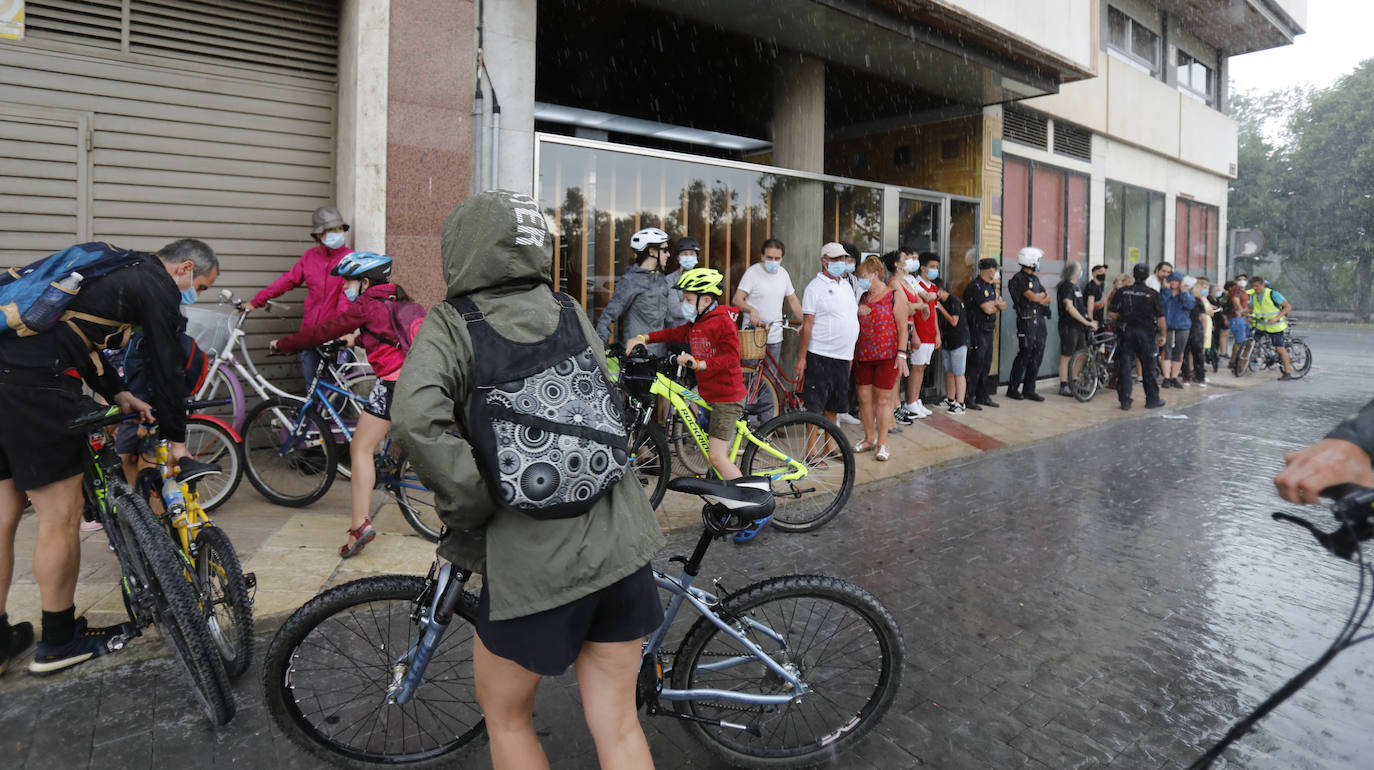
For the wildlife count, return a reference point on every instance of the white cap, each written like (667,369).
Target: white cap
(832,250)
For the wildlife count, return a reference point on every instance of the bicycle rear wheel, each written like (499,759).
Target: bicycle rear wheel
(415,500)
(652,461)
(806,503)
(289,462)
(328,669)
(176,610)
(224,599)
(841,642)
(1299,357)
(1083,375)
(210,442)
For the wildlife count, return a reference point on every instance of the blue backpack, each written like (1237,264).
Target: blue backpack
(21,287)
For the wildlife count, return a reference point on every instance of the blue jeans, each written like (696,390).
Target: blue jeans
(310,361)
(1240,330)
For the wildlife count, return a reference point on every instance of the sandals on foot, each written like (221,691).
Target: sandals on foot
(363,535)
(882,454)
(863,446)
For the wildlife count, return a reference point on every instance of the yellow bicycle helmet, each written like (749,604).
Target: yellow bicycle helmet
(701,280)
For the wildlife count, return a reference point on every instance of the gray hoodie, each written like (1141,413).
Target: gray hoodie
(496,251)
(639,305)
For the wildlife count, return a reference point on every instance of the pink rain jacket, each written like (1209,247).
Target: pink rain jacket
(323,292)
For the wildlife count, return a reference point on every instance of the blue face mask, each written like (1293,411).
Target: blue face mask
(351,295)
(864,283)
(188,296)
(686,262)
(771,266)
(933,273)
(333,240)
(689,311)
(835,268)
(849,268)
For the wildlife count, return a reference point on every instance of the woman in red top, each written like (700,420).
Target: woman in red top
(879,357)
(715,357)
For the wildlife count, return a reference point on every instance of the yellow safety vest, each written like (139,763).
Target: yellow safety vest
(1262,305)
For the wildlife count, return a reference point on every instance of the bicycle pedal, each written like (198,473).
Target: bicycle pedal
(127,633)
(250,579)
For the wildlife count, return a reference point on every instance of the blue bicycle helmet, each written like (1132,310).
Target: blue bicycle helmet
(364,264)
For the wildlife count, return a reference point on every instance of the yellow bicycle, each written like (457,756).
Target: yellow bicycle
(223,592)
(806,457)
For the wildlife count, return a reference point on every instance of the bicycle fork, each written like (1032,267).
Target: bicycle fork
(408,672)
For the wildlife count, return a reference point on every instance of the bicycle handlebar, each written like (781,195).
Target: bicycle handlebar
(1353,508)
(112,416)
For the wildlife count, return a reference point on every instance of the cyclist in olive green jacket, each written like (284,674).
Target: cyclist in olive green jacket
(554,590)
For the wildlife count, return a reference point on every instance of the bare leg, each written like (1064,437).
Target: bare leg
(1063,370)
(883,404)
(866,413)
(1285,360)
(961,387)
(57,554)
(366,438)
(11,510)
(718,449)
(949,386)
(505,691)
(606,674)
(913,383)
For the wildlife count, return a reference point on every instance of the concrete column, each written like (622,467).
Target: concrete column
(509,29)
(799,143)
(360,150)
(1223,77)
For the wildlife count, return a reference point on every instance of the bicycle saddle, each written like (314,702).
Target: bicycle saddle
(748,497)
(190,469)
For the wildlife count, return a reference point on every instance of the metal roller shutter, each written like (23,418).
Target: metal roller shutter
(229,140)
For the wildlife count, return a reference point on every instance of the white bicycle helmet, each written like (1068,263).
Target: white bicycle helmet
(1030,256)
(649,236)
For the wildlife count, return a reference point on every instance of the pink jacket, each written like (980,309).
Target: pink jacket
(323,292)
(371,315)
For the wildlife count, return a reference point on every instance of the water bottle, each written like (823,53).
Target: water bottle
(42,315)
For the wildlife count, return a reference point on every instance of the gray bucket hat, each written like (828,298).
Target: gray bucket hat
(326,218)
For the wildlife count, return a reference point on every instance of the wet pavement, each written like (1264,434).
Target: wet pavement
(1115,597)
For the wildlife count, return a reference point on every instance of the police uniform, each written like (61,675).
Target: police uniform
(1030,332)
(1138,309)
(982,328)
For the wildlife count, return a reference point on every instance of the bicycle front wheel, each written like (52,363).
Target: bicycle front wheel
(1241,367)
(210,442)
(838,639)
(1299,357)
(328,670)
(176,610)
(1083,375)
(806,503)
(224,599)
(289,452)
(652,461)
(415,501)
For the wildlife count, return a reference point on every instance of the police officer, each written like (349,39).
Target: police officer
(1032,305)
(982,303)
(1138,312)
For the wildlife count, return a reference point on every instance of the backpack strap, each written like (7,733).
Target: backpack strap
(466,308)
(122,331)
(565,300)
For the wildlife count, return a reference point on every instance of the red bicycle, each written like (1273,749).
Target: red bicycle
(767,387)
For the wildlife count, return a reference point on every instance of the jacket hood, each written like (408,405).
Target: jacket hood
(381,291)
(495,239)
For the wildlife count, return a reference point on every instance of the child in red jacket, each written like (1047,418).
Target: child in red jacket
(715,358)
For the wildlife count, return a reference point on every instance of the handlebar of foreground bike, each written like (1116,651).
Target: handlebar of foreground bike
(1353,507)
(112,416)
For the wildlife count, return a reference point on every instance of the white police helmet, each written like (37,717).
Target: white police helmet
(1030,256)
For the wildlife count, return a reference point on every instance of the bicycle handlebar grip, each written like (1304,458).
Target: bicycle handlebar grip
(1341,491)
(195,406)
(108,416)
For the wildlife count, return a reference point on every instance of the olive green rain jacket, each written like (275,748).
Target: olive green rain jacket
(496,251)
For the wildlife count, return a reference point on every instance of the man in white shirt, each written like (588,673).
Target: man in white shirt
(830,327)
(762,290)
(1160,275)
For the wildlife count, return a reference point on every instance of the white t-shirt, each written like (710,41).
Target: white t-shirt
(766,292)
(1153,282)
(836,326)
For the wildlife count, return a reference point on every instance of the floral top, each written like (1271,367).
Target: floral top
(877,330)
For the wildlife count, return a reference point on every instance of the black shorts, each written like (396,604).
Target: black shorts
(36,447)
(548,642)
(826,384)
(1072,338)
(379,401)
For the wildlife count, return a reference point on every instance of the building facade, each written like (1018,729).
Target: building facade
(1095,129)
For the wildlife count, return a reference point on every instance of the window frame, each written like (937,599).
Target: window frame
(1151,197)
(1208,93)
(1126,49)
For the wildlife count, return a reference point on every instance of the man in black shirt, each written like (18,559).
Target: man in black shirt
(1095,294)
(1138,312)
(1032,305)
(1074,322)
(982,303)
(41,460)
(954,345)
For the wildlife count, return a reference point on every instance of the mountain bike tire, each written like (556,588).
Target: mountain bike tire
(299,476)
(226,603)
(210,442)
(652,461)
(1083,376)
(417,505)
(1299,358)
(807,503)
(327,671)
(176,610)
(1241,367)
(841,640)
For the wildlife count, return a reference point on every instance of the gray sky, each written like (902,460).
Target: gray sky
(1338,37)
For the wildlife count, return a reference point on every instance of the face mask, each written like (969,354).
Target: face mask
(1242,283)
(933,273)
(997,276)
(686,262)
(771,266)
(849,268)
(333,240)
(864,283)
(351,295)
(835,268)
(188,296)
(689,311)
(1100,278)
(912,265)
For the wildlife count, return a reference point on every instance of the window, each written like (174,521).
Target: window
(1195,238)
(1196,78)
(1134,40)
(1135,227)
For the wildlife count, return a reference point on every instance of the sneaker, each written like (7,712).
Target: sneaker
(21,636)
(1155,404)
(848,419)
(989,403)
(902,416)
(1031,395)
(91,526)
(1065,389)
(86,643)
(1287,376)
(919,409)
(1014,395)
(747,534)
(956,408)
(947,402)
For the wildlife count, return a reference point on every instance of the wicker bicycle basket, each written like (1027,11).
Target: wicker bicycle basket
(753,343)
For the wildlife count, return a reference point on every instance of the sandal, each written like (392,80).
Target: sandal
(363,535)
(863,446)
(882,455)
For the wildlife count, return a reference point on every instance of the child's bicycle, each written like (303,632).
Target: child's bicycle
(791,671)
(157,582)
(224,593)
(807,458)
(292,459)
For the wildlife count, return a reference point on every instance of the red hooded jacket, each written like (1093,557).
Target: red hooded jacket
(371,315)
(715,342)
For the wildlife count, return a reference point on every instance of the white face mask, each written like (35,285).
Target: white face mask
(333,240)
(1242,283)
(912,265)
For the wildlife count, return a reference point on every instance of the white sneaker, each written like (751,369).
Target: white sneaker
(920,408)
(848,419)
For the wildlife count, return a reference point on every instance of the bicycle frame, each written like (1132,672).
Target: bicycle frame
(182,505)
